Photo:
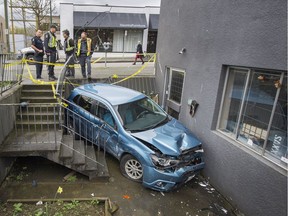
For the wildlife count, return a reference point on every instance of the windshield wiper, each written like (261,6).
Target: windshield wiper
(164,121)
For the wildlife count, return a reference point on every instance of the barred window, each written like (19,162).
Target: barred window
(254,111)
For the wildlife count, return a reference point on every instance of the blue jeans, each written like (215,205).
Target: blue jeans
(83,59)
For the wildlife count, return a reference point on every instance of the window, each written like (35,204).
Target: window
(84,102)
(176,85)
(254,111)
(101,111)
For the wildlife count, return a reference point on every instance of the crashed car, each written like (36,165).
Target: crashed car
(153,148)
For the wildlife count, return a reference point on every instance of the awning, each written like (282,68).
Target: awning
(154,21)
(109,20)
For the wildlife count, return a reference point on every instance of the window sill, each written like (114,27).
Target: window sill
(271,162)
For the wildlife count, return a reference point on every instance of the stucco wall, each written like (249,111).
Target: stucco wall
(215,34)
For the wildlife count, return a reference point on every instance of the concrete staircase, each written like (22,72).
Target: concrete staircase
(38,133)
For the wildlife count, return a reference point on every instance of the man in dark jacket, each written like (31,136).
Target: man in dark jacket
(50,43)
(37,45)
(69,51)
(139,53)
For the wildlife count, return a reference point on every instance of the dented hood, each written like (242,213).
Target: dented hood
(171,138)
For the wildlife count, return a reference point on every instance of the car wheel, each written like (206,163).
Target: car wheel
(30,57)
(131,168)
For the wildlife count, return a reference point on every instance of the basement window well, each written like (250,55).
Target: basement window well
(254,111)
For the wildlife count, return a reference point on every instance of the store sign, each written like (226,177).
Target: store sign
(132,25)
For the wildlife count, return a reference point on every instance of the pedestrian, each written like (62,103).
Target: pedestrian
(50,43)
(69,51)
(84,53)
(37,45)
(139,53)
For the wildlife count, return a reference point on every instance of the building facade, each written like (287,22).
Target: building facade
(121,26)
(222,71)
(3,45)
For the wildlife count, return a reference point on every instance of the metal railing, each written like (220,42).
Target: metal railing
(42,126)
(11,71)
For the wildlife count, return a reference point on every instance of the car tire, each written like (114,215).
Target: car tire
(131,168)
(30,57)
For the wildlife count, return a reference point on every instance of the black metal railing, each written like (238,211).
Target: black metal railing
(11,71)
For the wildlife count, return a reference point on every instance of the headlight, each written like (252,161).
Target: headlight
(163,161)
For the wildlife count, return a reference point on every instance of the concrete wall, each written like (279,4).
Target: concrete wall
(215,34)
(7,116)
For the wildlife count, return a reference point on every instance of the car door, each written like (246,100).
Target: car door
(105,128)
(80,115)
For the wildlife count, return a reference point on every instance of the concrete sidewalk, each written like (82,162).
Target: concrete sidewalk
(99,71)
(196,198)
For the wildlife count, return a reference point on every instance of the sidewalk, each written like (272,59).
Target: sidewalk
(99,71)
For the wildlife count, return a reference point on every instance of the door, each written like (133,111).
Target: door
(104,129)
(172,96)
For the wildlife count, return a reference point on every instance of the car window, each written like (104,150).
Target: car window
(84,102)
(102,112)
(106,115)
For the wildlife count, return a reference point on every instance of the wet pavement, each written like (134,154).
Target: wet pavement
(36,178)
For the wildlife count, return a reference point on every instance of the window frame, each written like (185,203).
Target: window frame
(171,69)
(261,152)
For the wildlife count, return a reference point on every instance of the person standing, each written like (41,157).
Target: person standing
(84,52)
(139,53)
(50,43)
(37,45)
(69,51)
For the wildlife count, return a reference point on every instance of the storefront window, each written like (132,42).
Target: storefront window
(254,110)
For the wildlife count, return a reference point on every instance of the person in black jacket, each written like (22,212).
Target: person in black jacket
(50,43)
(139,53)
(37,45)
(69,51)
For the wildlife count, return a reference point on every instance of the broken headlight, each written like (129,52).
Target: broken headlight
(162,161)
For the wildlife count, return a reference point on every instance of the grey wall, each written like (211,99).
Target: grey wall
(7,119)
(217,33)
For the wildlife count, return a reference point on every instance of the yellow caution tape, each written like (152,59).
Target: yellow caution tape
(137,72)
(97,60)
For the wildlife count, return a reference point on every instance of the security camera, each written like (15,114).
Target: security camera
(183,50)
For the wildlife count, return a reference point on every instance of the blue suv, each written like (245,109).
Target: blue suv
(152,147)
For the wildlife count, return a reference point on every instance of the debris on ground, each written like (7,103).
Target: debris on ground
(68,176)
(126,197)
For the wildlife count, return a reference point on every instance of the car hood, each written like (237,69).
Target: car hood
(171,139)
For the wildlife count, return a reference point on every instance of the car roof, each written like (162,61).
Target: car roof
(114,94)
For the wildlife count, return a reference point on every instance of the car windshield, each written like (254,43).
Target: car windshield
(143,114)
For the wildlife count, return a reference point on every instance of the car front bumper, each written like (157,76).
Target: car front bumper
(163,180)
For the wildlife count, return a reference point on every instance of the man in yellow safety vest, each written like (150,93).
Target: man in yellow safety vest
(50,44)
(84,53)
(69,51)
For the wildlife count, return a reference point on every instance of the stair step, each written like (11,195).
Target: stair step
(45,93)
(79,152)
(30,143)
(38,99)
(102,171)
(66,148)
(91,163)
(36,87)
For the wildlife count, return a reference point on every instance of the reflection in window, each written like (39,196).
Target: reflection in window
(254,110)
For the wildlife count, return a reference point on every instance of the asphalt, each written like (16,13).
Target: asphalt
(41,179)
